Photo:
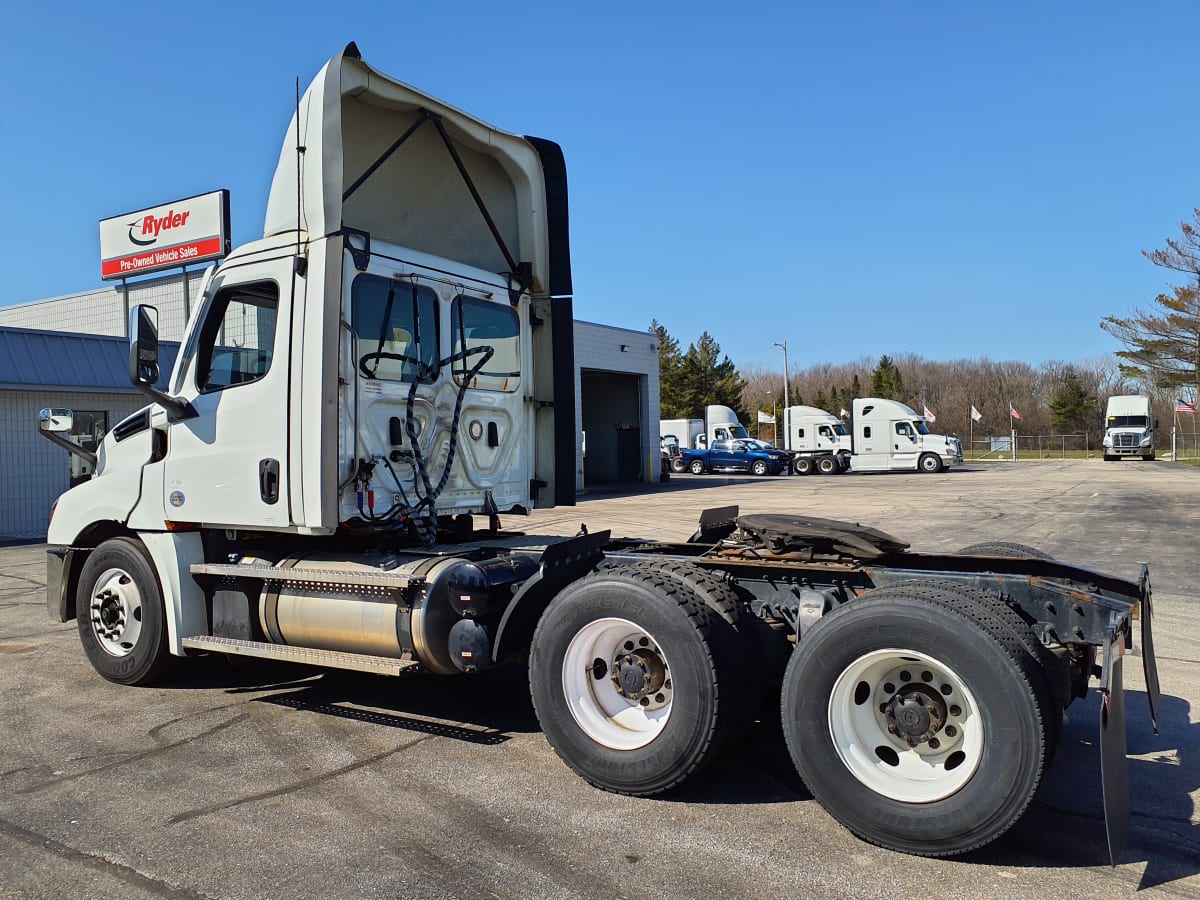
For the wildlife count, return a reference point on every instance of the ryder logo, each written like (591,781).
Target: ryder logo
(153,225)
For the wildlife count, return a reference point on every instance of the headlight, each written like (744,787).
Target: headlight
(1107,441)
(1147,440)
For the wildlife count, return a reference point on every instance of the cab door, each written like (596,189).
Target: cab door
(228,466)
(905,448)
(872,450)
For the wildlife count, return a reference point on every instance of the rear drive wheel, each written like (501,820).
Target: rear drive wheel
(629,673)
(759,467)
(914,725)
(930,462)
(1004,550)
(119,612)
(802,465)
(697,467)
(827,465)
(677,465)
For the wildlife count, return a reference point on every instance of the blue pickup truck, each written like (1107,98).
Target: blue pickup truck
(736,456)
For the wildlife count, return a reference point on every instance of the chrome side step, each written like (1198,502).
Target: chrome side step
(309,656)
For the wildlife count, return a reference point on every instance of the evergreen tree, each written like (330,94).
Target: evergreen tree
(707,378)
(886,381)
(1073,408)
(670,374)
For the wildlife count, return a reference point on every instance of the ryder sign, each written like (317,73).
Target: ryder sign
(187,231)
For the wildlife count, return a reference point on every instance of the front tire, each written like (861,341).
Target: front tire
(697,467)
(930,463)
(120,615)
(915,726)
(635,680)
(759,468)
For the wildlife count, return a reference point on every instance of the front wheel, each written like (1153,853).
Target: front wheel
(697,467)
(1149,457)
(914,725)
(635,680)
(931,463)
(120,615)
(759,467)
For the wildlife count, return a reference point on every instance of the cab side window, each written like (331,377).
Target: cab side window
(237,340)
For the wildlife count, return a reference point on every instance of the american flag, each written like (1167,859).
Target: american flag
(1182,406)
(1012,411)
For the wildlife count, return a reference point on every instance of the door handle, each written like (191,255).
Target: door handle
(268,480)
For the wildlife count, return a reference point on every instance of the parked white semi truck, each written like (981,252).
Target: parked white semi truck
(720,423)
(393,359)
(889,437)
(1129,427)
(817,440)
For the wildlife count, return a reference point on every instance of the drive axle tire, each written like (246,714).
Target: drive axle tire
(677,465)
(802,465)
(120,615)
(827,465)
(930,463)
(1004,550)
(697,467)
(635,680)
(915,725)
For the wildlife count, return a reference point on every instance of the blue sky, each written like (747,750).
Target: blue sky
(951,179)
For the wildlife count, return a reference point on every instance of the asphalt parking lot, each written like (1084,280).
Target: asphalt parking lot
(271,780)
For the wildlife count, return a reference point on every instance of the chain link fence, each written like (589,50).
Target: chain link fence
(1177,445)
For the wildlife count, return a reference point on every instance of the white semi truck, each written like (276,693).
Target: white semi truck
(889,437)
(720,423)
(1129,427)
(394,360)
(817,440)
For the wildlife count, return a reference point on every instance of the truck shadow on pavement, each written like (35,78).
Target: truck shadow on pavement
(1063,828)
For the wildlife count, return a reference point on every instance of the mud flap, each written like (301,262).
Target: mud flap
(1114,763)
(1149,666)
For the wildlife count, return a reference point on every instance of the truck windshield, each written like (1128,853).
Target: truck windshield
(1127,421)
(477,323)
(921,428)
(839,428)
(397,328)
(738,431)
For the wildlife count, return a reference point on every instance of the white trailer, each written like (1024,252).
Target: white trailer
(388,364)
(818,441)
(891,437)
(1129,428)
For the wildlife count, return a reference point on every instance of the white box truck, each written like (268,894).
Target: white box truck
(389,363)
(720,423)
(1129,428)
(891,437)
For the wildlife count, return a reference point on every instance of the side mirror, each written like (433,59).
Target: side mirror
(143,345)
(1154,427)
(56,421)
(143,362)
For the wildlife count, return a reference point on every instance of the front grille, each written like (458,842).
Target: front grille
(1127,440)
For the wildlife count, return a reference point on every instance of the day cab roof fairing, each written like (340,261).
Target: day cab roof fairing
(376,159)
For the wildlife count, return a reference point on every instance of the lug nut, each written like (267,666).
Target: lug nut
(951,731)
(927,676)
(934,743)
(947,690)
(955,711)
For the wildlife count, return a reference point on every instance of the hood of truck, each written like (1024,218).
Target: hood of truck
(351,174)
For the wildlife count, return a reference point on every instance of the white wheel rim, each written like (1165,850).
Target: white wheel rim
(621,722)
(116,612)
(939,765)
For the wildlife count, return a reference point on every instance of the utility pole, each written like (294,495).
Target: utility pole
(787,425)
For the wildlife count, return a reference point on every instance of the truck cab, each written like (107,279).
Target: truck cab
(1129,428)
(889,437)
